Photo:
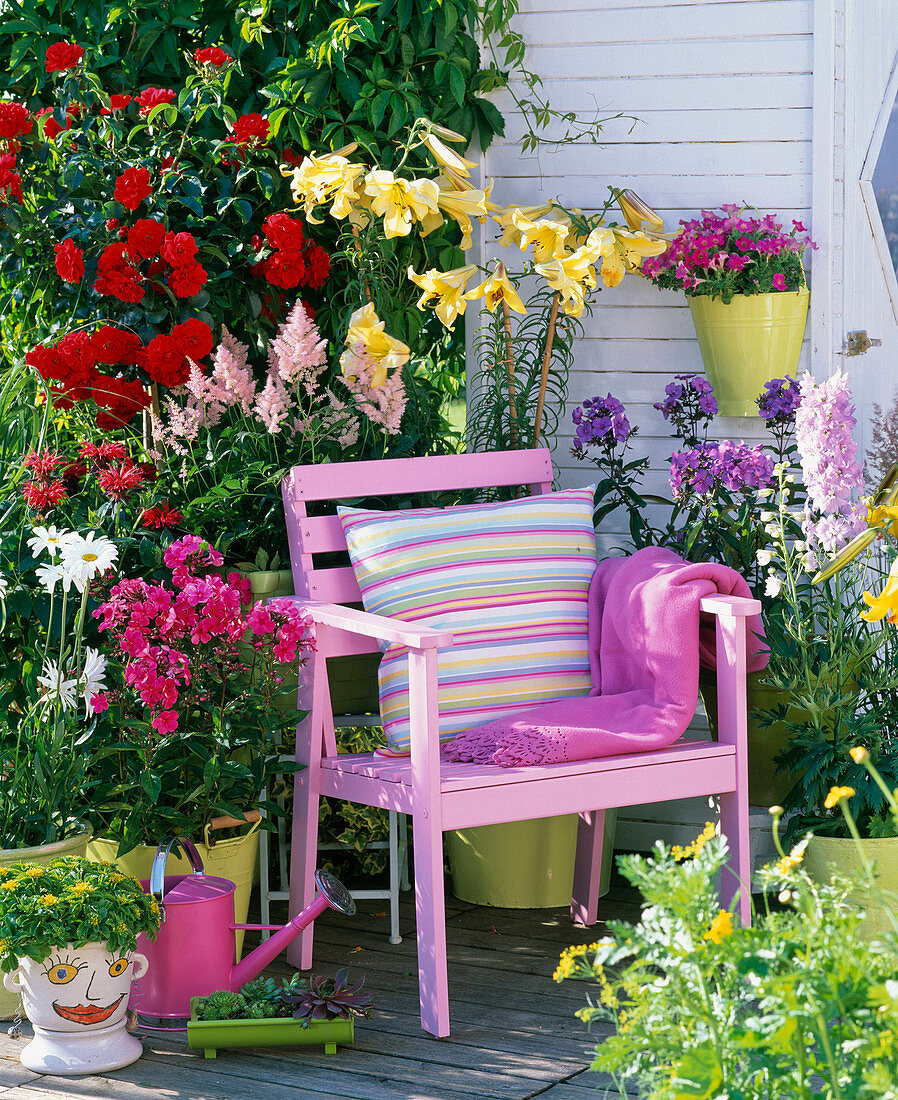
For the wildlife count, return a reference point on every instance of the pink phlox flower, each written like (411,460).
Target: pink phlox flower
(99,703)
(259,620)
(243,586)
(166,721)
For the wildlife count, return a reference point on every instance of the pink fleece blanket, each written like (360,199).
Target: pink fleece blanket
(646,640)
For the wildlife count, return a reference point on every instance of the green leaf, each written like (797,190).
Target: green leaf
(152,785)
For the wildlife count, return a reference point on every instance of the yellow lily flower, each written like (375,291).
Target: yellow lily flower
(884,517)
(446,157)
(320,179)
(605,243)
(400,201)
(634,246)
(448,287)
(885,605)
(572,276)
(461,206)
(505,221)
(495,289)
(366,330)
(546,235)
(635,211)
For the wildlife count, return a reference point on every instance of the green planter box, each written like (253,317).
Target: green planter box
(210,1035)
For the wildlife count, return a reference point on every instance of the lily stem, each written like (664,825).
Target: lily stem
(509,374)
(544,374)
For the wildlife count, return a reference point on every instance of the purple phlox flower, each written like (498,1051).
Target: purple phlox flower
(738,466)
(799,228)
(833,477)
(779,400)
(602,421)
(730,208)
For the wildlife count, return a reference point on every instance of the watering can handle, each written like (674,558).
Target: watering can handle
(157,874)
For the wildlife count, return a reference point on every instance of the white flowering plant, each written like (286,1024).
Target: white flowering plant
(52,683)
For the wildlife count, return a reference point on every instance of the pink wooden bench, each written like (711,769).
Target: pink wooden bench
(441,795)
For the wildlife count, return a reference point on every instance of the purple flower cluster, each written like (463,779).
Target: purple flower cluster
(779,401)
(601,420)
(734,466)
(832,475)
(690,401)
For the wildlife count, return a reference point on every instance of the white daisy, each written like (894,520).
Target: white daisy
(50,575)
(58,688)
(50,539)
(83,557)
(94,674)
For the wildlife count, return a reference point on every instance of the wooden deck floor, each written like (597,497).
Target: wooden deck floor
(514,1035)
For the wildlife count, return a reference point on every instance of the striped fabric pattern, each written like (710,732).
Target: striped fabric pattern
(508,579)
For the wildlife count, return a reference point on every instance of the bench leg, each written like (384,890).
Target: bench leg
(303,860)
(430,910)
(588,867)
(735,879)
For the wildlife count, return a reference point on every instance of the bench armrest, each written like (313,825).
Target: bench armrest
(381,627)
(739,607)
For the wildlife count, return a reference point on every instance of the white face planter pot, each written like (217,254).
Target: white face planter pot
(77,999)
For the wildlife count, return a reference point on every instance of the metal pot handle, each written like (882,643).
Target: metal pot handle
(157,874)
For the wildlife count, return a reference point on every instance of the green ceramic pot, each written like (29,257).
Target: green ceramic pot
(746,343)
(826,854)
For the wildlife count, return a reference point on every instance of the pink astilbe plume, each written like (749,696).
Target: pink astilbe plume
(383,404)
(231,373)
(274,403)
(298,354)
(833,477)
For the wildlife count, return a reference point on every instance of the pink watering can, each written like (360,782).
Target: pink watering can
(195,950)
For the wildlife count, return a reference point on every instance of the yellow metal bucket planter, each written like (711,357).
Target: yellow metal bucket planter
(746,343)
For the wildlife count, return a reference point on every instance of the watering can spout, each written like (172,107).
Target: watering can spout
(332,894)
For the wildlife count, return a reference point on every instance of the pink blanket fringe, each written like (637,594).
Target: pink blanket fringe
(646,641)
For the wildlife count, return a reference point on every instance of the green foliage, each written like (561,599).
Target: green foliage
(799,1004)
(306,998)
(70,901)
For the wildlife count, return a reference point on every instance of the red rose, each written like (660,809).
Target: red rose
(116,103)
(69,261)
(164,361)
(15,119)
(10,186)
(178,248)
(117,276)
(45,361)
(186,280)
(114,345)
(76,352)
(61,56)
(212,55)
(284,232)
(195,337)
(132,187)
(285,269)
(250,129)
(318,265)
(51,126)
(289,157)
(145,238)
(153,97)
(112,224)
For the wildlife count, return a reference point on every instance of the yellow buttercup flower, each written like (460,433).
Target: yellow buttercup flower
(367,329)
(836,794)
(400,202)
(497,288)
(721,927)
(547,236)
(47,900)
(859,754)
(793,859)
(885,605)
(447,287)
(326,178)
(505,220)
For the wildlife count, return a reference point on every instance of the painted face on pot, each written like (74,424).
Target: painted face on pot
(87,988)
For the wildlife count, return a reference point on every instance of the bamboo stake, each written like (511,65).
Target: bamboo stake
(544,374)
(366,290)
(509,374)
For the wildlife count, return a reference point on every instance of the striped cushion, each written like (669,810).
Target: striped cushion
(508,579)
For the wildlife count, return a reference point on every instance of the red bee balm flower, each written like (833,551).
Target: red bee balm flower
(119,482)
(145,238)
(69,261)
(212,55)
(43,498)
(42,463)
(132,187)
(250,129)
(15,120)
(161,517)
(153,97)
(61,56)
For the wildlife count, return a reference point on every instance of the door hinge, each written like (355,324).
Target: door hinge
(856,343)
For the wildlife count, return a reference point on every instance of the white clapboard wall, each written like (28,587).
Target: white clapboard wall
(723,93)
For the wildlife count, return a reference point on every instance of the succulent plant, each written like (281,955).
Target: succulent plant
(330,998)
(222,1005)
(261,989)
(262,1010)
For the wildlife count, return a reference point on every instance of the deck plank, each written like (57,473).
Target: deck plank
(514,1033)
